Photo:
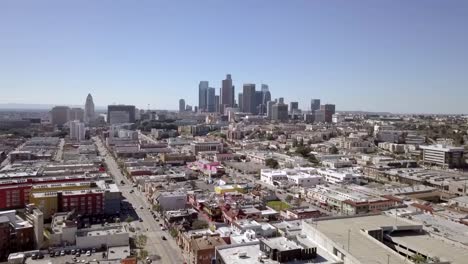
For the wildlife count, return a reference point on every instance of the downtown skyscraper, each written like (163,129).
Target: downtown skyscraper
(89,113)
(248,98)
(227,93)
(202,96)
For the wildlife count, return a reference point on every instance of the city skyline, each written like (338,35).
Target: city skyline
(385,57)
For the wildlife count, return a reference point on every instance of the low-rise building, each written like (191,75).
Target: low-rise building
(445,156)
(169,201)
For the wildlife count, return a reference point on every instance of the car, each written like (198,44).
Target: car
(62,253)
(40,256)
(93,250)
(88,253)
(77,254)
(73,252)
(34,256)
(163,237)
(57,254)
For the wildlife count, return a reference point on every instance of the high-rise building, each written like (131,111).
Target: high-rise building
(59,115)
(188,108)
(269,108)
(258,102)
(329,111)
(314,105)
(266,97)
(76,114)
(77,130)
(264,88)
(227,93)
(293,107)
(181,105)
(117,114)
(216,103)
(281,100)
(248,97)
(279,112)
(202,96)
(89,113)
(210,100)
(240,102)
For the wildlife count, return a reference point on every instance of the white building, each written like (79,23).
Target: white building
(446,156)
(169,201)
(77,130)
(112,236)
(304,177)
(333,176)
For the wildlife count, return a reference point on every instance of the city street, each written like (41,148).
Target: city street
(167,250)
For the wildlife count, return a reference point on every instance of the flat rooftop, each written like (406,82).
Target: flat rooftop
(231,255)
(368,250)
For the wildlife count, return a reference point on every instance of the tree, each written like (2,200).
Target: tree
(272,163)
(334,150)
(141,241)
(129,219)
(303,151)
(289,198)
(199,224)
(418,259)
(143,254)
(313,159)
(157,208)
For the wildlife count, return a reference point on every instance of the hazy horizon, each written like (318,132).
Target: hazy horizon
(394,56)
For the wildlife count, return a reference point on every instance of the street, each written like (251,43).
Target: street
(167,250)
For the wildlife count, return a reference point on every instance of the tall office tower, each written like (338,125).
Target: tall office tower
(188,108)
(202,95)
(210,100)
(329,111)
(259,102)
(248,97)
(76,114)
(269,106)
(293,107)
(227,93)
(240,102)
(77,130)
(181,105)
(281,100)
(264,88)
(59,115)
(266,97)
(217,103)
(314,105)
(279,112)
(89,113)
(117,114)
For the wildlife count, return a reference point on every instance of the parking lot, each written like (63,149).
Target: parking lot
(69,258)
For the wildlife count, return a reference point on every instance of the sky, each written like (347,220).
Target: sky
(399,56)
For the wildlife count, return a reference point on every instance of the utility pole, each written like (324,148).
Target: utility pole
(349,238)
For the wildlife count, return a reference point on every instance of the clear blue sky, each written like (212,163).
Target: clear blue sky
(399,56)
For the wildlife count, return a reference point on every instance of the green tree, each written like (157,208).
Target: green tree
(418,259)
(288,198)
(129,219)
(272,163)
(143,254)
(334,150)
(199,224)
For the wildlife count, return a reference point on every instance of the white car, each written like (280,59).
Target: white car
(88,253)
